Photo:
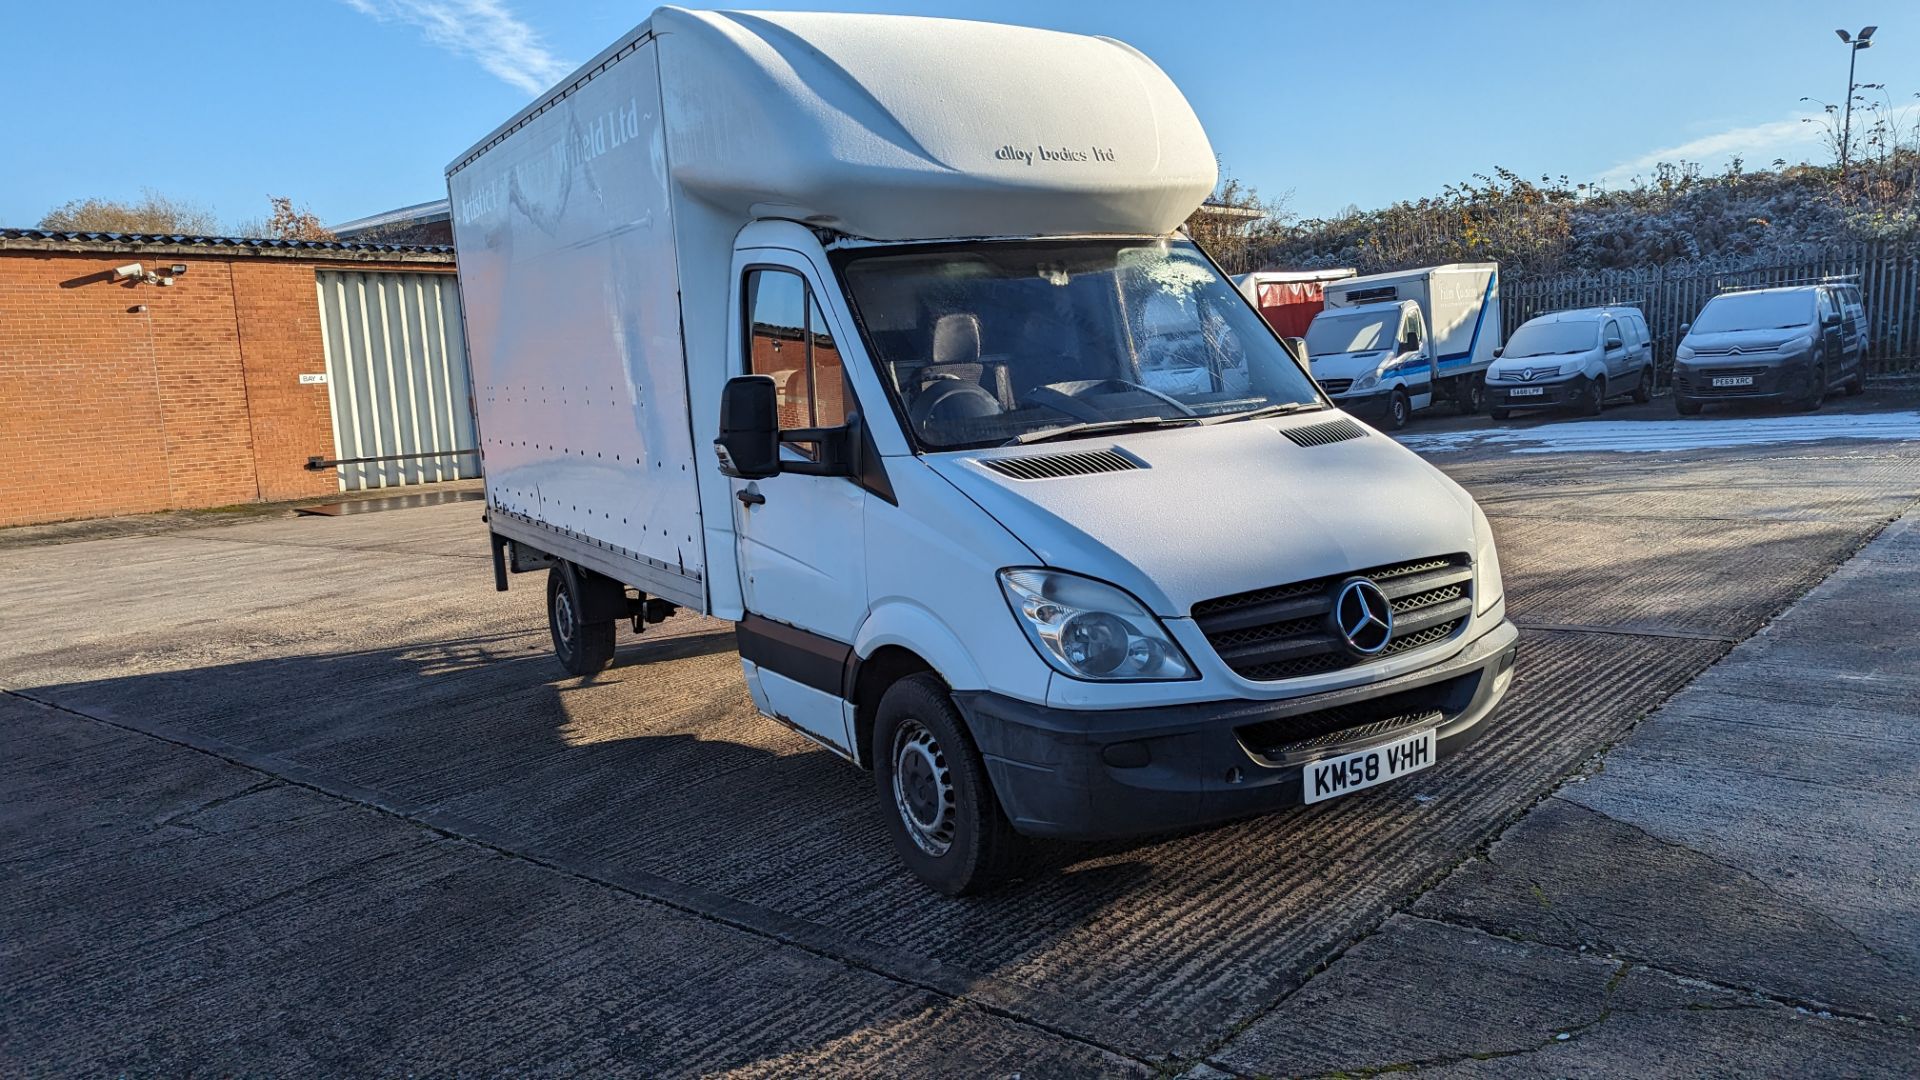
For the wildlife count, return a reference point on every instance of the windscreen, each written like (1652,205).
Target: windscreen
(1755,311)
(990,342)
(1549,338)
(1358,332)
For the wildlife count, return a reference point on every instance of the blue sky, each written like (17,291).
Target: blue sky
(355,106)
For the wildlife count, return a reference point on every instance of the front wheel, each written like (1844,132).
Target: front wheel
(1499,413)
(1399,410)
(584,648)
(1595,397)
(1855,386)
(1643,390)
(946,823)
(1685,406)
(1816,391)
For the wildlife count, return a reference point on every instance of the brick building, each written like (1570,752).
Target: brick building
(127,394)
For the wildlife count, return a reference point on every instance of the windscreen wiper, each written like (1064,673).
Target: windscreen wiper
(1095,427)
(1279,408)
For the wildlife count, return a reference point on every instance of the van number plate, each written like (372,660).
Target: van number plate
(1331,777)
(1734,380)
(1528,391)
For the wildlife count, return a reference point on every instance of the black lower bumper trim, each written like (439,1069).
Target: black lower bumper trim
(1088,774)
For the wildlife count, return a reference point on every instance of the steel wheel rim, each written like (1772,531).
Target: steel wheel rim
(923,793)
(563,618)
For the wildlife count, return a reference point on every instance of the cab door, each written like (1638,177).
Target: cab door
(1835,339)
(800,538)
(1416,359)
(1613,345)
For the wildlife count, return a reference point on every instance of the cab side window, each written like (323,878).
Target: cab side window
(1611,332)
(1410,331)
(787,338)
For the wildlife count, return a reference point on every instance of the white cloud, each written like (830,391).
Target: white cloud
(1757,144)
(483,31)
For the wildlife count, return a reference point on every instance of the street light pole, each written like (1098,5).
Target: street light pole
(1854,43)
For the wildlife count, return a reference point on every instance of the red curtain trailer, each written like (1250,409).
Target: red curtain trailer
(1289,299)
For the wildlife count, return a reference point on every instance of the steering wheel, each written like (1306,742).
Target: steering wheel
(1066,397)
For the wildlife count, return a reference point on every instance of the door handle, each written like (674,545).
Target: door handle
(749,497)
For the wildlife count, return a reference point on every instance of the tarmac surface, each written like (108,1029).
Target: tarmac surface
(306,795)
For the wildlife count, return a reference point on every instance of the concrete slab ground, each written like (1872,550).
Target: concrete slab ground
(1733,890)
(470,839)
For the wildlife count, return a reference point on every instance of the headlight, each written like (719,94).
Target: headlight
(1091,630)
(1682,353)
(1367,382)
(1486,564)
(1799,344)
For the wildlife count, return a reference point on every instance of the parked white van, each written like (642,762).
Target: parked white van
(1389,344)
(757,329)
(1573,359)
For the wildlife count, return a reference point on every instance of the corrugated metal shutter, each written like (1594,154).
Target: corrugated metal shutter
(397,376)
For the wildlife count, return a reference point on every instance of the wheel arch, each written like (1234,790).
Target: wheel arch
(898,639)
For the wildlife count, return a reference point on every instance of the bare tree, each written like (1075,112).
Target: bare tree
(153,213)
(1235,222)
(289,223)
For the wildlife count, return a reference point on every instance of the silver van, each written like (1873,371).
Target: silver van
(1788,345)
(1576,359)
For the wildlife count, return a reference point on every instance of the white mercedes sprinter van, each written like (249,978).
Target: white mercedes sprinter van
(876,336)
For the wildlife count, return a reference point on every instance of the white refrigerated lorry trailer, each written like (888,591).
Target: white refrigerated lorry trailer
(842,328)
(1386,345)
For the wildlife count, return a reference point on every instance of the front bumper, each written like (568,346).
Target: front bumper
(1088,774)
(1371,405)
(1501,395)
(1773,379)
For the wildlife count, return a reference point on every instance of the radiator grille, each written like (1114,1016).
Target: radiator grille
(1284,631)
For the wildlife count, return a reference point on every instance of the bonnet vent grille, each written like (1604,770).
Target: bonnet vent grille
(1332,431)
(1049,466)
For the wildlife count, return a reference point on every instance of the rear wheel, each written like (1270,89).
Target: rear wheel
(1469,394)
(946,823)
(583,648)
(1399,410)
(1643,390)
(1686,406)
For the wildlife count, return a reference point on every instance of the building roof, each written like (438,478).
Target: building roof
(418,214)
(55,240)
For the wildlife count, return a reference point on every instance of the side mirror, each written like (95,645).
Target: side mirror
(1498,349)
(1684,327)
(1299,347)
(1409,345)
(1614,343)
(749,442)
(1832,319)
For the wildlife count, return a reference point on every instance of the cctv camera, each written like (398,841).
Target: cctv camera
(131,270)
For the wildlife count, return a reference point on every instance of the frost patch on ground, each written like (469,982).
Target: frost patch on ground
(1638,436)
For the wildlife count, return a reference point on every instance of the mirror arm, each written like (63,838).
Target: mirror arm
(834,450)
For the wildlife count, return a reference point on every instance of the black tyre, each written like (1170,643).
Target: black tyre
(1855,386)
(1499,413)
(1470,395)
(946,823)
(1816,391)
(1643,390)
(1399,410)
(1593,399)
(583,648)
(1685,406)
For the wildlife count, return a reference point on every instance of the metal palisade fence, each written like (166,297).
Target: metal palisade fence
(1888,275)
